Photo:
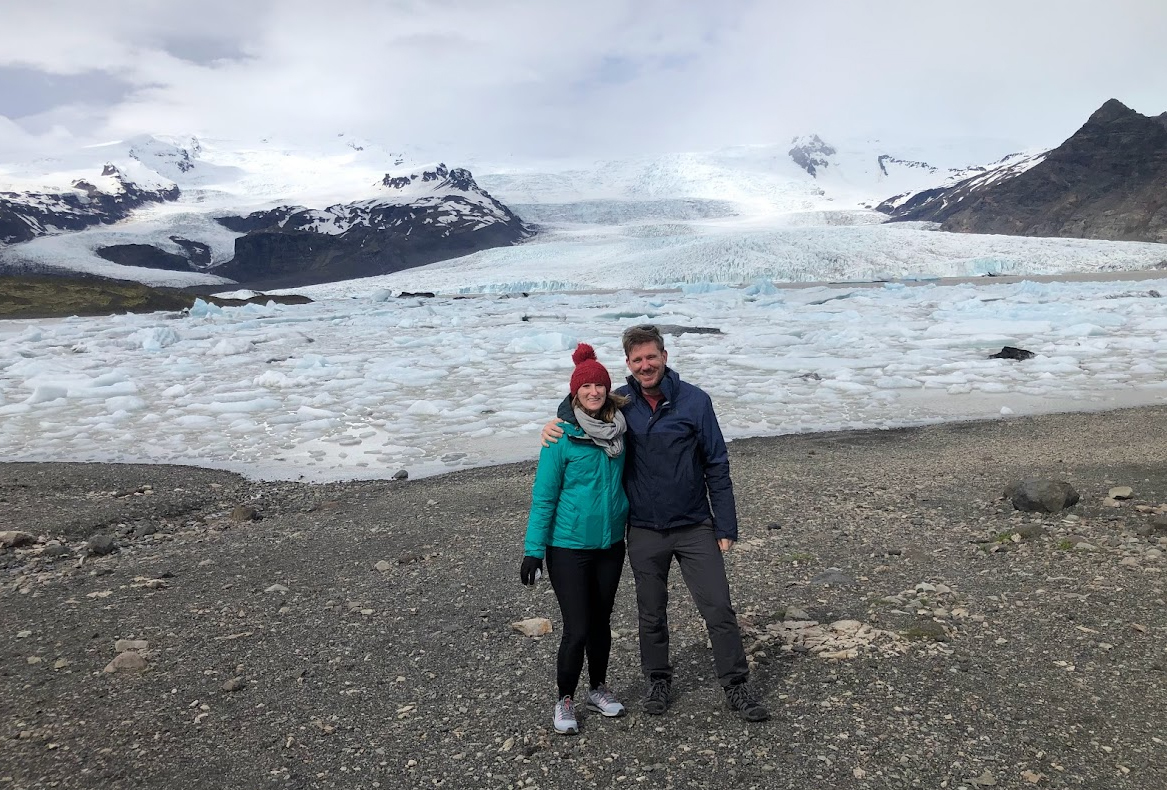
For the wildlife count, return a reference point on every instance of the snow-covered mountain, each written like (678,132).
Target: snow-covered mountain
(959,185)
(421,216)
(102,196)
(174,211)
(1106,181)
(270,214)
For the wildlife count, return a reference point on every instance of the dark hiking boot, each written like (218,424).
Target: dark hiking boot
(656,701)
(744,703)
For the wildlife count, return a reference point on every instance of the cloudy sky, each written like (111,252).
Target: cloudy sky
(547,77)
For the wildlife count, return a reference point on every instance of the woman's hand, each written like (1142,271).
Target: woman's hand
(551,433)
(530,570)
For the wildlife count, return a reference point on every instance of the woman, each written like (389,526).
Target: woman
(578,514)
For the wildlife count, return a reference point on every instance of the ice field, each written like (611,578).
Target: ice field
(362,384)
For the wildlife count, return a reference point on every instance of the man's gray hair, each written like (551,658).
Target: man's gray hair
(642,333)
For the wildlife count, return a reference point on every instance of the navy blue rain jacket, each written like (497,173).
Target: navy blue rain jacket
(677,464)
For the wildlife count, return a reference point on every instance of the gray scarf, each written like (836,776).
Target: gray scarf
(608,435)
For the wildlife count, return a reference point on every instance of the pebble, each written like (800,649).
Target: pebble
(277,588)
(533,626)
(122,645)
(234,684)
(383,565)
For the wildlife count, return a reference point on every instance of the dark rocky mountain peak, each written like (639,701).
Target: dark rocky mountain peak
(1111,110)
(1106,181)
(811,153)
(887,159)
(440,176)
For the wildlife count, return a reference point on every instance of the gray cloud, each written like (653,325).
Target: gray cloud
(528,77)
(27,92)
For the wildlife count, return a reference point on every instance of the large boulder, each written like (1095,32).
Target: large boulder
(1041,496)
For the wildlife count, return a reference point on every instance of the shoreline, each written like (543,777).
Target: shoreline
(311,476)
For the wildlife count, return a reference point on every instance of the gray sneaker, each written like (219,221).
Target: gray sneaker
(565,722)
(603,701)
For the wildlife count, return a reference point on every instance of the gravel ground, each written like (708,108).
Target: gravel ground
(907,626)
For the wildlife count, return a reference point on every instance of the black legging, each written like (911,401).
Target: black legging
(585,582)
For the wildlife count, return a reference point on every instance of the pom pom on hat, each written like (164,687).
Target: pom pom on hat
(588,369)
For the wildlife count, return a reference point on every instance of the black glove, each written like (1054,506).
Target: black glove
(527,571)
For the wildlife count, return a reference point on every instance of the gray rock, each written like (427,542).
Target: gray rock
(11,539)
(674,329)
(401,474)
(1030,531)
(100,545)
(54,550)
(834,577)
(234,684)
(926,631)
(126,662)
(1041,496)
(245,513)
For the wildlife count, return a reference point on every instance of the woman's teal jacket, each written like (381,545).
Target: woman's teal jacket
(578,501)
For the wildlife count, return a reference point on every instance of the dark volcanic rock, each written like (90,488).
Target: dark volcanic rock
(198,253)
(1041,496)
(424,217)
(101,544)
(27,215)
(1107,181)
(145,255)
(259,219)
(1012,352)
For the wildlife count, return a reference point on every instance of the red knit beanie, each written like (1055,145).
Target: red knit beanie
(588,369)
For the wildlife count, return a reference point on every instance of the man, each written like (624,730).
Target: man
(677,467)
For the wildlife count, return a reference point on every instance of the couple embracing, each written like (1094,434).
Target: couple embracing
(641,471)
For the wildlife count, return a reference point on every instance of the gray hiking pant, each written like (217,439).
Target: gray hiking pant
(651,553)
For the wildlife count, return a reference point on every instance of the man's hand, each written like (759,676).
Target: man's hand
(725,544)
(551,433)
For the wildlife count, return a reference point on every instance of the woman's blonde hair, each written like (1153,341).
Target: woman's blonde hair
(607,412)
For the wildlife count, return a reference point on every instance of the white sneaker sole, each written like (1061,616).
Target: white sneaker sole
(602,712)
(572,730)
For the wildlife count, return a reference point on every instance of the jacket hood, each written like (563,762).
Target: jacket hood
(566,413)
